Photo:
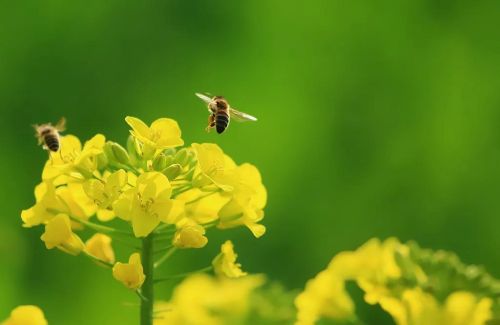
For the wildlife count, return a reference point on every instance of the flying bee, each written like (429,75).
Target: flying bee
(48,135)
(221,113)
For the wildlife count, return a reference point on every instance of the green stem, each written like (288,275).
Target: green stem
(100,228)
(182,275)
(147,289)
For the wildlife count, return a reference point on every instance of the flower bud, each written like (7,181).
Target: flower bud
(169,152)
(133,149)
(172,171)
(190,236)
(181,157)
(120,154)
(160,162)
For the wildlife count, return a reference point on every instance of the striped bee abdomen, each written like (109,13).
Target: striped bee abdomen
(221,121)
(51,141)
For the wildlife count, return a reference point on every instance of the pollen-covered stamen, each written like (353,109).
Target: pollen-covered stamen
(145,204)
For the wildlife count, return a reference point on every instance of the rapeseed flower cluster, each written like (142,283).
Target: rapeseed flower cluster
(150,190)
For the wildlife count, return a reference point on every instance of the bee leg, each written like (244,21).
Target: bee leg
(50,157)
(211,122)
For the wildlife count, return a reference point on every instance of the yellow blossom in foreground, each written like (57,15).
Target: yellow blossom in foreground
(58,234)
(147,204)
(104,193)
(225,263)
(203,299)
(189,235)
(26,315)
(419,308)
(99,246)
(372,266)
(162,134)
(131,274)
(324,296)
(249,197)
(214,166)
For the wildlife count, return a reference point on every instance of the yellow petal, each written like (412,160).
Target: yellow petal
(58,234)
(225,263)
(99,246)
(140,128)
(131,274)
(26,315)
(190,236)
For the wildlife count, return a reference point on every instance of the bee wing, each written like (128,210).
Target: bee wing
(204,98)
(61,125)
(240,116)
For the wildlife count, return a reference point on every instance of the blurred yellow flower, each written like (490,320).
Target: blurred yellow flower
(26,315)
(147,204)
(73,162)
(99,245)
(372,266)
(58,234)
(324,296)
(105,192)
(189,235)
(213,165)
(163,133)
(249,197)
(131,274)
(225,263)
(419,308)
(204,300)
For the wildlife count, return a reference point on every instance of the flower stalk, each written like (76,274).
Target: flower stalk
(147,289)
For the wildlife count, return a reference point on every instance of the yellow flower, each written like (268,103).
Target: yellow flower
(225,263)
(419,308)
(213,165)
(324,296)
(26,315)
(147,204)
(99,245)
(201,207)
(58,234)
(69,199)
(372,266)
(131,274)
(202,299)
(48,205)
(105,193)
(249,198)
(189,235)
(162,134)
(72,162)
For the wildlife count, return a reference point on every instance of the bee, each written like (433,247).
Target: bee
(48,135)
(221,113)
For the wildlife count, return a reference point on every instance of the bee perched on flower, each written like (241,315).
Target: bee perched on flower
(149,194)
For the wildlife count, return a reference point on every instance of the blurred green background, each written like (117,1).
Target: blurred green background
(375,119)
